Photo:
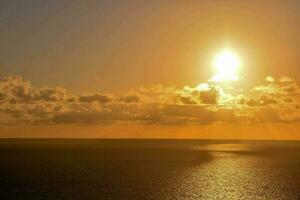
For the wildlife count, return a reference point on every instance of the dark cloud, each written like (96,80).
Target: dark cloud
(2,96)
(187,100)
(101,98)
(80,117)
(38,111)
(209,96)
(50,94)
(17,87)
(20,90)
(149,114)
(12,112)
(130,99)
(291,88)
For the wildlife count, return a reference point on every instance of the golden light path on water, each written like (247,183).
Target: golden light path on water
(150,170)
(235,172)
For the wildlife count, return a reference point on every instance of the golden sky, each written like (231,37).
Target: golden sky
(148,69)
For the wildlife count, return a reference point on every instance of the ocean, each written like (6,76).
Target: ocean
(148,169)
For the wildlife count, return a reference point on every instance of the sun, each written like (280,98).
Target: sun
(226,65)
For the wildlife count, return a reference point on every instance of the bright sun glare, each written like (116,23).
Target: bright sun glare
(226,64)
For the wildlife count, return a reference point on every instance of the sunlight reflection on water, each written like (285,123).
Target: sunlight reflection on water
(142,169)
(225,147)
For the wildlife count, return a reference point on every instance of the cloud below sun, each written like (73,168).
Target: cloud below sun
(271,101)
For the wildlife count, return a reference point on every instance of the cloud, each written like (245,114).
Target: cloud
(2,96)
(16,87)
(209,96)
(50,94)
(270,79)
(286,79)
(81,117)
(131,98)
(262,100)
(208,103)
(187,100)
(89,98)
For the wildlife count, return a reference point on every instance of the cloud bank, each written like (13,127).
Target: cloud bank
(273,101)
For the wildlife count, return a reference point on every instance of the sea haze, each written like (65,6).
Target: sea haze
(148,169)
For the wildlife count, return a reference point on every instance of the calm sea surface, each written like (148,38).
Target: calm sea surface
(149,169)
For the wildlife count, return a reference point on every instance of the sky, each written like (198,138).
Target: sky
(125,68)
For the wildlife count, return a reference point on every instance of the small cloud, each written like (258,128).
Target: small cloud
(2,96)
(89,98)
(130,99)
(187,100)
(267,100)
(202,87)
(286,79)
(50,94)
(270,88)
(270,79)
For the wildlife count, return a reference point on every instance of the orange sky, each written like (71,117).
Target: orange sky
(133,69)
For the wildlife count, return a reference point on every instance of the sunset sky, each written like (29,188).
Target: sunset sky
(152,69)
